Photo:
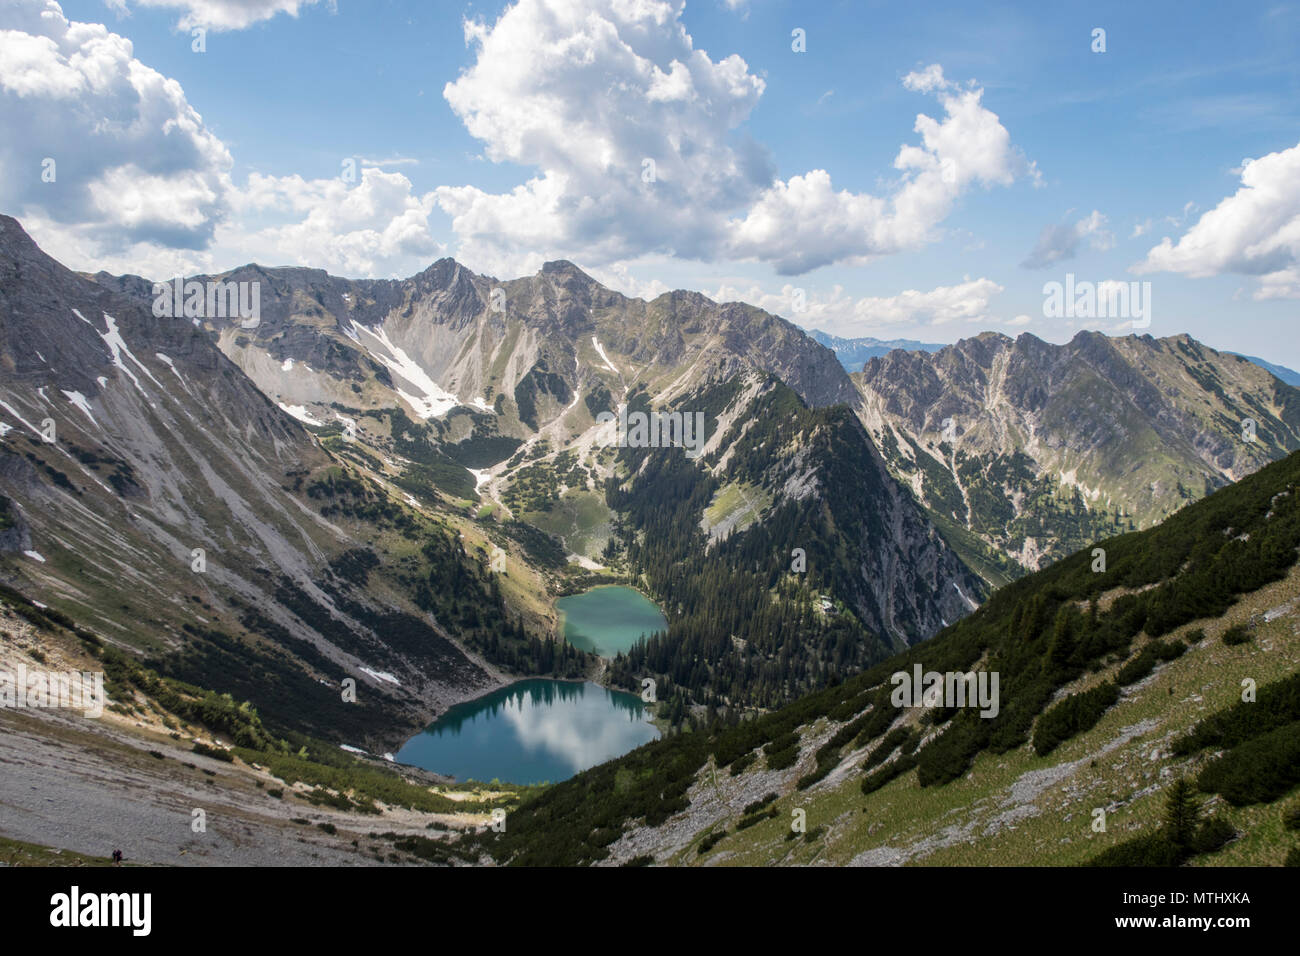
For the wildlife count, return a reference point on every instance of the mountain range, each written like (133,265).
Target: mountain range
(383,486)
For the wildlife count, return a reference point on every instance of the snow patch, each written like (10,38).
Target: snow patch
(969,603)
(603,357)
(35,556)
(76,398)
(172,365)
(382,675)
(117,345)
(300,412)
(286,365)
(14,412)
(435,401)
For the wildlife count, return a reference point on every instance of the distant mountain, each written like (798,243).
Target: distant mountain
(508,358)
(854,353)
(1290,376)
(1034,450)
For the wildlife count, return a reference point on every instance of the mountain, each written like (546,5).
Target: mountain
(149,490)
(786,550)
(1112,686)
(480,398)
(1290,376)
(351,457)
(1025,451)
(509,357)
(854,353)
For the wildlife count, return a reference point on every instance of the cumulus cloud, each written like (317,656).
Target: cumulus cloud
(380,226)
(1061,241)
(221,15)
(631,129)
(138,184)
(852,317)
(635,136)
(1253,232)
(98,142)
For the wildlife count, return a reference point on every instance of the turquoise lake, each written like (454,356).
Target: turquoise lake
(532,731)
(610,619)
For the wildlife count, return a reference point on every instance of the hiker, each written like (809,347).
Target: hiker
(117,857)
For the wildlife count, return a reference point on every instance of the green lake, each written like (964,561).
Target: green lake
(532,731)
(608,620)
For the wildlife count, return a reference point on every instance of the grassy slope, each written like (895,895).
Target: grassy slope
(1049,824)
(1004,807)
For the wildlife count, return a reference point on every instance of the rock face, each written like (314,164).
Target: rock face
(167,500)
(1032,450)
(449,337)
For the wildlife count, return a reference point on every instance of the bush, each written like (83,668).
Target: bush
(783,758)
(1277,704)
(741,764)
(1074,715)
(1292,858)
(1238,634)
(759,804)
(1212,836)
(1152,850)
(710,841)
(1291,817)
(216,753)
(749,821)
(1142,665)
(1257,771)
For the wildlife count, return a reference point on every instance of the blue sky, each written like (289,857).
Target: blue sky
(778,175)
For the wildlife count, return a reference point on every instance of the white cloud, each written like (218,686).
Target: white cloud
(1061,241)
(803,223)
(377,227)
(590,93)
(582,91)
(851,317)
(141,185)
(132,160)
(631,130)
(220,15)
(1254,232)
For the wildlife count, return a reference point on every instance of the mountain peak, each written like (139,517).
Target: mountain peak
(563,267)
(14,238)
